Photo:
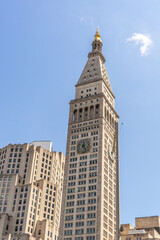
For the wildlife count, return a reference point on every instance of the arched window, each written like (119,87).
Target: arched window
(97,111)
(80,114)
(75,116)
(91,112)
(86,113)
(94,46)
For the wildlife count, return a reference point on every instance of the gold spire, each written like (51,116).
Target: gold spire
(97,36)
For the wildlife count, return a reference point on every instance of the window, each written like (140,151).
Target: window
(90,230)
(91,238)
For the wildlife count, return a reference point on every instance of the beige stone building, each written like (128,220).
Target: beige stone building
(145,228)
(31,177)
(90,207)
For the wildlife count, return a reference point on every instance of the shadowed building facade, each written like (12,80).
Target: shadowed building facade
(31,177)
(90,207)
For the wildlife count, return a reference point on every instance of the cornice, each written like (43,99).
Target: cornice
(92,81)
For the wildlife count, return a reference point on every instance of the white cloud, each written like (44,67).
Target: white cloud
(143,40)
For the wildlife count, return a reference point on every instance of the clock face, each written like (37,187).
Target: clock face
(83,146)
(112,154)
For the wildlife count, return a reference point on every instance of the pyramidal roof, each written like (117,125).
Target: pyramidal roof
(95,69)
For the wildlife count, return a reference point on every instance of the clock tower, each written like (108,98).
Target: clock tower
(90,205)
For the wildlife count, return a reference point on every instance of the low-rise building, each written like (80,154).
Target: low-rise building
(145,228)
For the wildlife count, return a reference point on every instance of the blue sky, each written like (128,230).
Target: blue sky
(43,49)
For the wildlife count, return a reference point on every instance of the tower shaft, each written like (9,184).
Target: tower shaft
(90,207)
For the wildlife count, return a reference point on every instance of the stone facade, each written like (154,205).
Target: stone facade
(90,207)
(31,180)
(145,228)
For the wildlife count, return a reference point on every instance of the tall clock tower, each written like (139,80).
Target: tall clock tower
(90,205)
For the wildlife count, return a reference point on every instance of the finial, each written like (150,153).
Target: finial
(97,36)
(97,32)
